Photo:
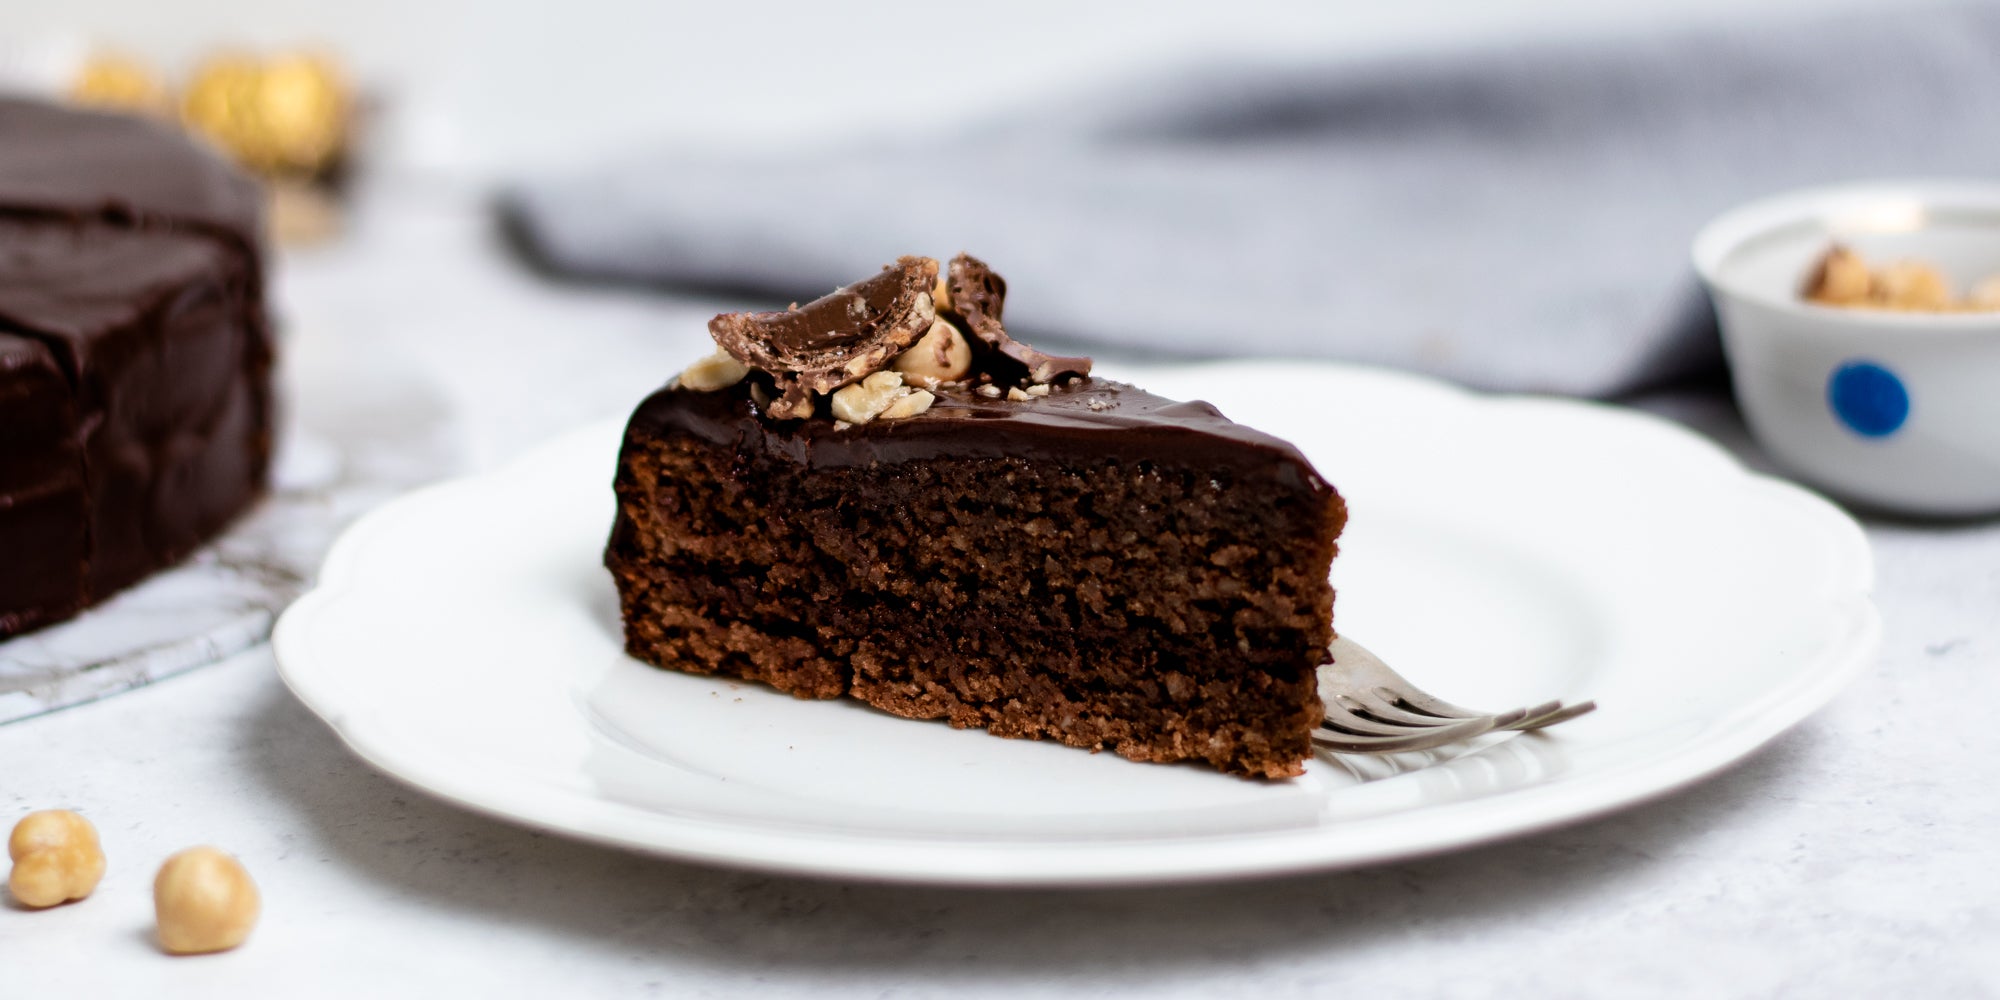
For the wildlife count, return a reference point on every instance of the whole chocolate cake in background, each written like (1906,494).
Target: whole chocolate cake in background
(135,355)
(883,495)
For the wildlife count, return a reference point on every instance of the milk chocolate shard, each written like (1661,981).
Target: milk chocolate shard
(836,339)
(978,296)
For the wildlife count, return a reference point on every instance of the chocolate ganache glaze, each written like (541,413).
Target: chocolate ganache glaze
(1080,419)
(135,355)
(1013,402)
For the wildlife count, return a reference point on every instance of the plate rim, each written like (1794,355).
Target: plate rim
(818,852)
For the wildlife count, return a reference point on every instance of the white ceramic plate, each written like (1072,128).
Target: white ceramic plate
(1501,551)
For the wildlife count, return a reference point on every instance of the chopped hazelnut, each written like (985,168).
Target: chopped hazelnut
(717,371)
(865,400)
(941,293)
(1015,394)
(942,353)
(917,401)
(989,391)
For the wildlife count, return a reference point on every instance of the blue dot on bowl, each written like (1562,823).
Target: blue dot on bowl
(1868,398)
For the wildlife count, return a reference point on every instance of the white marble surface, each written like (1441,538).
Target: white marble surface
(1855,855)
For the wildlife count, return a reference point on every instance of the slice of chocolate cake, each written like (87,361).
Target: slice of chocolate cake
(854,497)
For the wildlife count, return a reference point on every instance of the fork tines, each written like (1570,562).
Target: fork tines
(1372,709)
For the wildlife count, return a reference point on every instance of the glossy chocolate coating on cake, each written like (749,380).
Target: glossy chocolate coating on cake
(44,526)
(1079,420)
(1072,417)
(117,168)
(135,404)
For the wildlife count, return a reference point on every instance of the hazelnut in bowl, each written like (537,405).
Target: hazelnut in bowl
(1862,327)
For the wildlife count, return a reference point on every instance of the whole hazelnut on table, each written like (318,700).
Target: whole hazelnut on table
(56,858)
(204,901)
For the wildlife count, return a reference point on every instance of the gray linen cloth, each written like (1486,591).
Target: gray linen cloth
(1512,218)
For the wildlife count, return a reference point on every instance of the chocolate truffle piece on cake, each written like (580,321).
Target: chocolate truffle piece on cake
(837,339)
(1021,547)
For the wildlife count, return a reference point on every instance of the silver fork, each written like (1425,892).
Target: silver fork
(1372,709)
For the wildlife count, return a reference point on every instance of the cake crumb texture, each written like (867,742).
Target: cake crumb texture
(1163,613)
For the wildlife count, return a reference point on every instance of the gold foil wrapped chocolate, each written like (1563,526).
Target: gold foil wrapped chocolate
(285,116)
(118,82)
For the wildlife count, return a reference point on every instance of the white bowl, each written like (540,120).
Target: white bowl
(1896,410)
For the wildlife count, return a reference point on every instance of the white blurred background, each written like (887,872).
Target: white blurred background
(462,93)
(490,88)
